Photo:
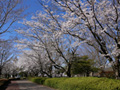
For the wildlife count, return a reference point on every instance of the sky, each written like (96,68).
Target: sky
(32,7)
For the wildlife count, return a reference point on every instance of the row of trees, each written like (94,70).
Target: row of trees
(10,12)
(34,65)
(54,36)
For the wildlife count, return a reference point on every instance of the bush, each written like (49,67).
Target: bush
(83,83)
(79,83)
(3,81)
(54,82)
(39,80)
(108,74)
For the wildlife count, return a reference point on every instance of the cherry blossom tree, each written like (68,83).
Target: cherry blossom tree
(95,22)
(36,63)
(39,35)
(6,53)
(10,69)
(10,12)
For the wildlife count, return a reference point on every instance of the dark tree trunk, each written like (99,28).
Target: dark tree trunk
(0,72)
(69,70)
(42,74)
(87,73)
(117,69)
(49,75)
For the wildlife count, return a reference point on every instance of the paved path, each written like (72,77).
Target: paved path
(26,85)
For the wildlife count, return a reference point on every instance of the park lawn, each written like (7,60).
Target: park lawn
(79,83)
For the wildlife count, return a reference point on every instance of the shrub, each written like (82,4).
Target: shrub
(83,83)
(79,83)
(108,74)
(3,81)
(39,80)
(54,82)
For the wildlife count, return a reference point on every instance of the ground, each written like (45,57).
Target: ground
(24,85)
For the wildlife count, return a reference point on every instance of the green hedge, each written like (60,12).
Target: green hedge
(39,80)
(54,82)
(80,83)
(89,83)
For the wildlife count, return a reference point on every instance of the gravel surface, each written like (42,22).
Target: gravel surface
(26,85)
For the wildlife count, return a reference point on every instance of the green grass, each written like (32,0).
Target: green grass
(80,83)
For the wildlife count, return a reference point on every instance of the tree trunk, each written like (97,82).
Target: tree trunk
(50,76)
(69,70)
(87,73)
(42,74)
(0,72)
(117,69)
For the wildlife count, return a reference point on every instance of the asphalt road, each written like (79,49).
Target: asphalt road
(25,85)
